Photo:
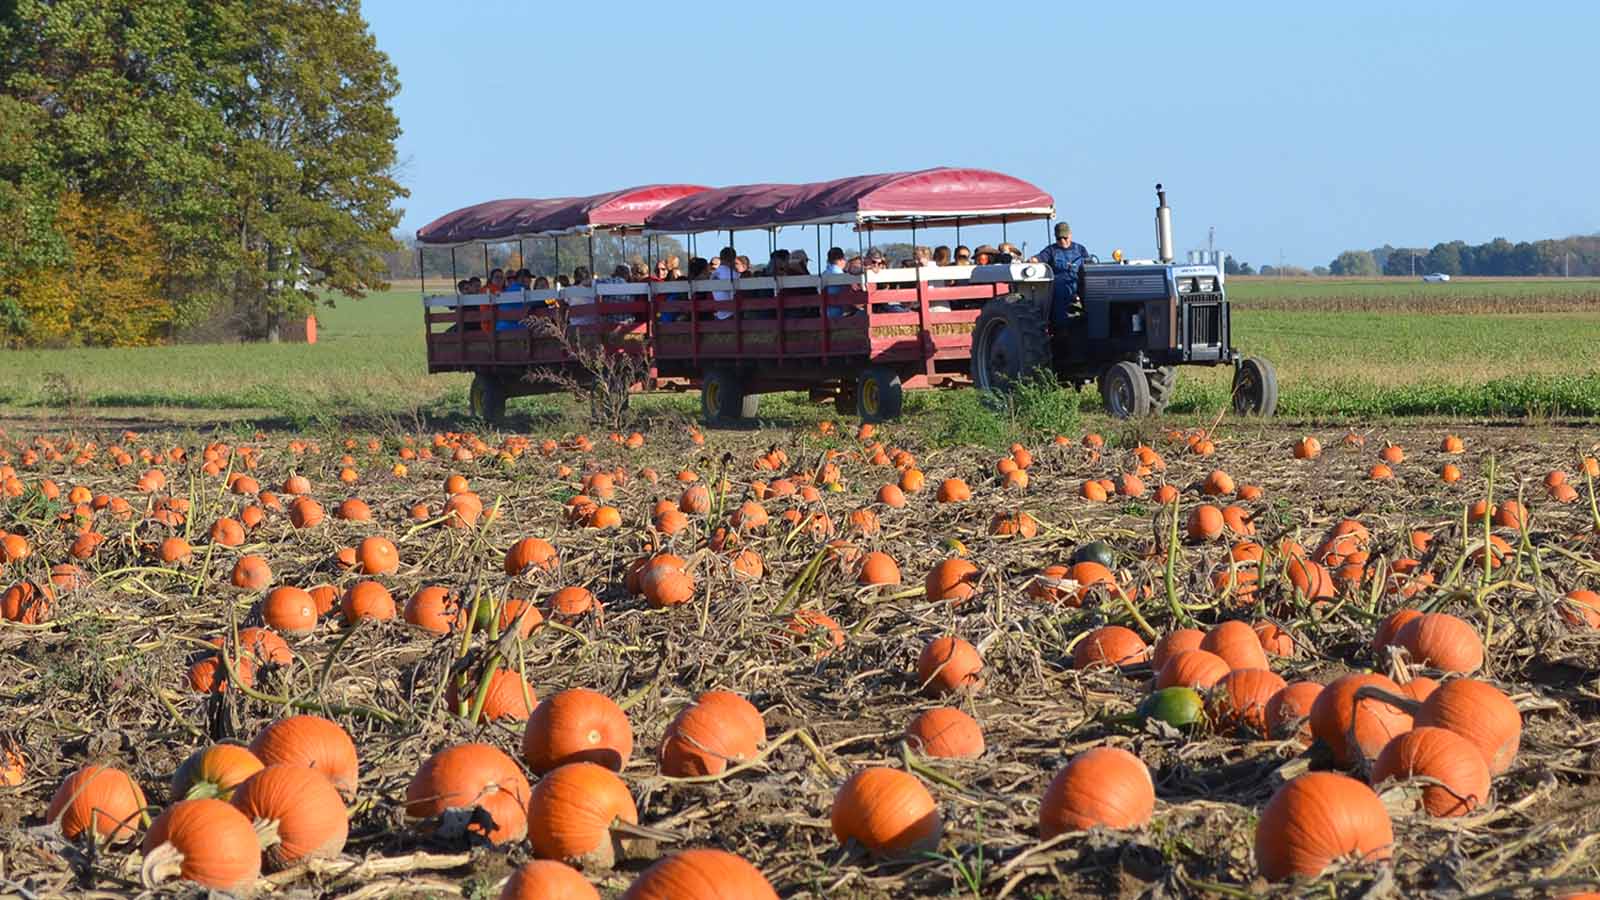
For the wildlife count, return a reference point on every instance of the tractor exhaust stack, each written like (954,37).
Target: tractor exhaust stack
(1163,226)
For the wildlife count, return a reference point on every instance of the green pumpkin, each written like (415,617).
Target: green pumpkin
(1178,706)
(1095,552)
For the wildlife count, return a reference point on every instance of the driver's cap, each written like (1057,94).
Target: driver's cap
(1063,230)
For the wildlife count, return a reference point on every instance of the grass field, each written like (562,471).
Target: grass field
(1343,348)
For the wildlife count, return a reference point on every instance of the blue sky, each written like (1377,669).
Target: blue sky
(1300,129)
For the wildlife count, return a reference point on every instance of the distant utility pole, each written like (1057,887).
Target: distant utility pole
(1413,264)
(1566,265)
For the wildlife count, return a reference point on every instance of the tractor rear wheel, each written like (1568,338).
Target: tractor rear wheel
(1163,382)
(1125,390)
(1255,387)
(1009,342)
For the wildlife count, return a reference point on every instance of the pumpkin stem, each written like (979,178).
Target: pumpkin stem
(267,833)
(164,863)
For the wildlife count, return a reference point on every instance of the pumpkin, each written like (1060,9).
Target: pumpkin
(378,556)
(1173,643)
(434,609)
(952,579)
(325,596)
(214,771)
(887,811)
(209,675)
(313,742)
(474,788)
(1451,444)
(1581,609)
(1240,698)
(701,874)
(311,820)
(1193,668)
(546,879)
(1236,642)
(1389,629)
(1479,712)
(305,512)
(462,510)
(509,698)
(1357,732)
(251,573)
(1205,523)
(1307,448)
(204,841)
(1110,645)
(289,610)
(1106,787)
(813,627)
(949,664)
(719,728)
(1274,639)
(530,553)
(572,811)
(892,496)
(1442,641)
(1217,484)
(1439,754)
(571,603)
(1289,711)
(953,490)
(946,732)
(1318,819)
(664,586)
(878,567)
(577,725)
(354,509)
(27,603)
(1419,688)
(367,600)
(99,799)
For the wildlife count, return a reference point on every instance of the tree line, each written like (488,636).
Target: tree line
(168,165)
(1577,256)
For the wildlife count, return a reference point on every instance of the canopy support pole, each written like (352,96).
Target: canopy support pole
(591,255)
(486,262)
(422,270)
(455,279)
(958,231)
(522,256)
(1003,238)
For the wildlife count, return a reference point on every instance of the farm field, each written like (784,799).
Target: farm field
(1381,353)
(784,571)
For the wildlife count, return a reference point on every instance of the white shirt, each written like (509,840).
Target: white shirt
(723,273)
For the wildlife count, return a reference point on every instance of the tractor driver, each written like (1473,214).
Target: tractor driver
(1065,259)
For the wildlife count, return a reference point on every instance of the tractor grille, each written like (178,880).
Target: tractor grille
(1205,324)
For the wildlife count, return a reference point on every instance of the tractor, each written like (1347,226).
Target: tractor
(1132,325)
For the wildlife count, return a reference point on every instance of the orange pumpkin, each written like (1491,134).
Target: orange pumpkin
(878,567)
(1289,712)
(1581,609)
(290,610)
(719,728)
(214,771)
(954,580)
(378,556)
(251,573)
(205,841)
(1106,787)
(577,725)
(1357,730)
(1442,641)
(1205,523)
(1240,698)
(367,600)
(1479,712)
(1444,756)
(312,742)
(949,664)
(478,780)
(1389,629)
(1317,819)
(509,698)
(1274,639)
(887,811)
(572,812)
(546,879)
(311,820)
(701,874)
(1199,669)
(946,732)
(530,553)
(953,490)
(1110,645)
(1236,642)
(99,799)
(1173,643)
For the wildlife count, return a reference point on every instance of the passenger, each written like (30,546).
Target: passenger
(799,263)
(855,266)
(727,270)
(580,295)
(922,258)
(1012,251)
(497,281)
(984,255)
(463,286)
(963,255)
(941,255)
(580,276)
(563,281)
(475,284)
(638,273)
(742,266)
(836,266)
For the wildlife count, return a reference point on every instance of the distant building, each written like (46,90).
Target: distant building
(1208,257)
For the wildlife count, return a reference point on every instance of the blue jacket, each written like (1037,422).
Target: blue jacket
(1065,262)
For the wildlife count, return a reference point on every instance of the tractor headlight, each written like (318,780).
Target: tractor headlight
(1185,285)
(1208,284)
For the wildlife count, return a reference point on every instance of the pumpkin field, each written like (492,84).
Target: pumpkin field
(1236,660)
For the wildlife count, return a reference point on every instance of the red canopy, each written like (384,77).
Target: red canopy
(499,220)
(927,197)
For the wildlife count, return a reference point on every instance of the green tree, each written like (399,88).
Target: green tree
(1445,258)
(1354,264)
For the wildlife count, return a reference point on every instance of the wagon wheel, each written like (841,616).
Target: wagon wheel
(879,395)
(487,398)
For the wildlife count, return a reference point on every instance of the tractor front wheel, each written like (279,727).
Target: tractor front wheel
(1255,387)
(1126,390)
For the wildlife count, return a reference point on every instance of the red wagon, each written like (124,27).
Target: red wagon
(863,337)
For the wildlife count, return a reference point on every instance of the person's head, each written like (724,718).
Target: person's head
(741,264)
(541,283)
(963,255)
(1063,234)
(637,271)
(921,256)
(799,257)
(580,275)
(563,281)
(462,286)
(728,257)
(854,266)
(1011,250)
(497,277)
(835,256)
(941,255)
(662,268)
(778,264)
(622,272)
(874,260)
(674,262)
(697,268)
(475,284)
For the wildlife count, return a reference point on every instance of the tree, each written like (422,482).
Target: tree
(1354,264)
(1445,258)
(1404,261)
(1319,271)
(1231,266)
